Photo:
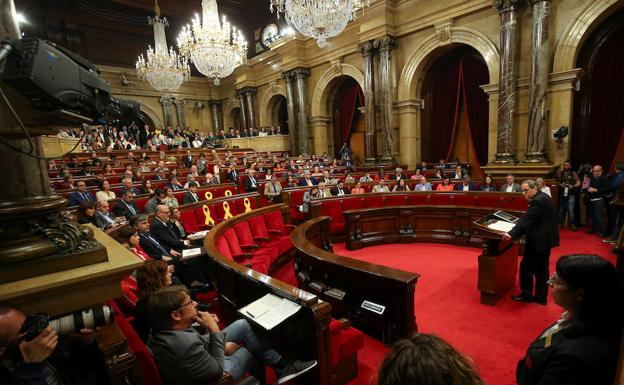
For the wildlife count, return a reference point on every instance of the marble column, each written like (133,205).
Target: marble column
(300,75)
(385,45)
(509,36)
(293,129)
(167,104)
(408,112)
(179,103)
(370,141)
(540,64)
(243,115)
(216,113)
(319,126)
(251,111)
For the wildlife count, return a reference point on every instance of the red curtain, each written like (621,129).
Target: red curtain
(599,107)
(444,102)
(352,99)
(475,74)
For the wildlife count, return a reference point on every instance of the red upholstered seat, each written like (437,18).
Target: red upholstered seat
(246,241)
(344,341)
(141,202)
(258,228)
(149,370)
(258,257)
(336,228)
(353,203)
(333,208)
(189,220)
(222,245)
(296,200)
(220,210)
(275,222)
(395,200)
(240,204)
(128,291)
(201,216)
(515,203)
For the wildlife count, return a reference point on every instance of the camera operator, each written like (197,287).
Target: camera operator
(42,360)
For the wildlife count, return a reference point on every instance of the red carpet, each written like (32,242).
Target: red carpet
(447,304)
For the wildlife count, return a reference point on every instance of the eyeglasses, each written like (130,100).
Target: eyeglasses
(554,279)
(190,302)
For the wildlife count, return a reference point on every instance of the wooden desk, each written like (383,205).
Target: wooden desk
(319,270)
(441,224)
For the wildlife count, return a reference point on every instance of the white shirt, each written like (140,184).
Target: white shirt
(509,188)
(546,190)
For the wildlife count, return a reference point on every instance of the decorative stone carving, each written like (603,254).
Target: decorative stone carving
(443,31)
(336,66)
(370,143)
(179,103)
(167,103)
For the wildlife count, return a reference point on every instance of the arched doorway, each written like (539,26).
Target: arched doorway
(235,118)
(454,123)
(598,119)
(347,121)
(146,120)
(278,110)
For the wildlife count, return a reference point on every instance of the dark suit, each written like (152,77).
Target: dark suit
(335,190)
(166,235)
(152,246)
(188,197)
(394,177)
(123,209)
(77,198)
(188,161)
(539,224)
(135,191)
(460,187)
(231,176)
(571,361)
(302,181)
(251,184)
(103,220)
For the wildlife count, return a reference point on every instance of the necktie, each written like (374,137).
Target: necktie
(158,245)
(85,196)
(273,185)
(130,208)
(108,218)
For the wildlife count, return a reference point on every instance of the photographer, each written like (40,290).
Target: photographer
(569,184)
(40,359)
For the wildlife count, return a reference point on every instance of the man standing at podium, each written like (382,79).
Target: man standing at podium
(539,224)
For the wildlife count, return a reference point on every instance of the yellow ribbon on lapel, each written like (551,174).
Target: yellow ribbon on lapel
(208,195)
(247,205)
(209,220)
(226,208)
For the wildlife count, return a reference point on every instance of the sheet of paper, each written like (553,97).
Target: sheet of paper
(501,226)
(261,306)
(198,235)
(188,253)
(270,310)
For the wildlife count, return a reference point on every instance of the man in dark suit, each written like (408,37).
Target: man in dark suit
(103,217)
(232,175)
(539,224)
(251,183)
(307,180)
(190,196)
(148,242)
(466,185)
(81,194)
(162,231)
(127,186)
(126,206)
(339,190)
(174,184)
(398,175)
(187,160)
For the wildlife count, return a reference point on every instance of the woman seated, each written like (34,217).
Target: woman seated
(400,186)
(290,182)
(445,185)
(105,193)
(426,359)
(582,346)
(170,200)
(146,187)
(417,174)
(129,238)
(358,189)
(86,213)
(488,184)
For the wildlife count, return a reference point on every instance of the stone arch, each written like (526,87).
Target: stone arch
(575,33)
(151,114)
(325,85)
(265,103)
(412,75)
(229,105)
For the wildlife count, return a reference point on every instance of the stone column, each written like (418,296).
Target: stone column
(300,75)
(370,143)
(293,129)
(167,104)
(509,35)
(409,131)
(179,103)
(216,113)
(385,45)
(319,133)
(249,99)
(241,99)
(540,63)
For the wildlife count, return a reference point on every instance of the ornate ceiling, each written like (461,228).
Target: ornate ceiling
(115,32)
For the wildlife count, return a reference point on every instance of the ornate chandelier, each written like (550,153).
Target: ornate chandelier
(319,19)
(164,69)
(216,49)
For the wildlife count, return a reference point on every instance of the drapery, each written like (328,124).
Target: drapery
(444,103)
(352,99)
(475,74)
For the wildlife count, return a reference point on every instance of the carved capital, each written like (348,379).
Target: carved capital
(240,93)
(301,73)
(507,5)
(217,103)
(287,76)
(179,102)
(249,90)
(367,48)
(533,2)
(166,100)
(385,43)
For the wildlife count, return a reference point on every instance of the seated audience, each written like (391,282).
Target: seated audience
(290,182)
(157,199)
(273,190)
(542,186)
(425,359)
(398,175)
(446,184)
(358,189)
(313,193)
(510,185)
(146,187)
(170,199)
(128,186)
(176,223)
(366,178)
(327,179)
(174,184)
(126,207)
(86,213)
(191,195)
(186,356)
(189,179)
(339,190)
(128,237)
(148,242)
(103,217)
(417,174)
(324,190)
(162,230)
(582,346)
(251,183)
(380,186)
(400,185)
(81,194)
(458,173)
(349,179)
(307,179)
(488,184)
(423,185)
(105,193)
(466,185)
(438,174)
(232,175)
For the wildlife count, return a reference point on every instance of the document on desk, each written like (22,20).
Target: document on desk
(190,253)
(198,235)
(501,226)
(270,310)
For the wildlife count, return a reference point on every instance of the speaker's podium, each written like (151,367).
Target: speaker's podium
(498,262)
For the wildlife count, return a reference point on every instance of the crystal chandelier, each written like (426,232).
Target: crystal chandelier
(164,69)
(216,49)
(319,19)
